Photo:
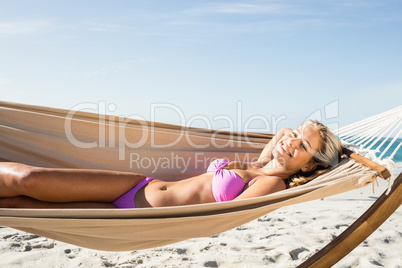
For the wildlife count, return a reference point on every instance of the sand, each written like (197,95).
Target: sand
(283,238)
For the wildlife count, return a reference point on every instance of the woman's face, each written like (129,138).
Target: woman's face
(296,148)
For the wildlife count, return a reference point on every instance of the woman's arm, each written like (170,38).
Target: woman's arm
(266,154)
(263,186)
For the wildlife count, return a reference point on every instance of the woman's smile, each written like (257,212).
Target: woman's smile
(285,149)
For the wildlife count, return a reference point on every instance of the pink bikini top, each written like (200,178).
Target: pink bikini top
(226,184)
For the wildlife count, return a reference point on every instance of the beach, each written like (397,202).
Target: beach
(283,238)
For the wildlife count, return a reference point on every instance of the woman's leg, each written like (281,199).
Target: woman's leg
(64,185)
(28,202)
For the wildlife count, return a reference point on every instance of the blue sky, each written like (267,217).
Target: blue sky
(206,59)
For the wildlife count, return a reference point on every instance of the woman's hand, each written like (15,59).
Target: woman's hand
(266,154)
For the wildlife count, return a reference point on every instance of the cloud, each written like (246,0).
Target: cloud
(104,27)
(233,9)
(287,16)
(242,8)
(21,28)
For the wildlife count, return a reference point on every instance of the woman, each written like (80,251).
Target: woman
(291,158)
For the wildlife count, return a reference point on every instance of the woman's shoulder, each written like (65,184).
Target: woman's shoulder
(263,185)
(272,179)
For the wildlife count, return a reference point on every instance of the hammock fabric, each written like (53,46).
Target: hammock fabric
(55,138)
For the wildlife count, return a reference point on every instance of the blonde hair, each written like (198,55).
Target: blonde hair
(328,155)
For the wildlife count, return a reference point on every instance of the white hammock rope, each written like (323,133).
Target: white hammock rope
(388,137)
(396,150)
(381,136)
(361,131)
(352,128)
(367,133)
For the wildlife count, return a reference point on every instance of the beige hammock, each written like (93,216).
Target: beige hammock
(60,138)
